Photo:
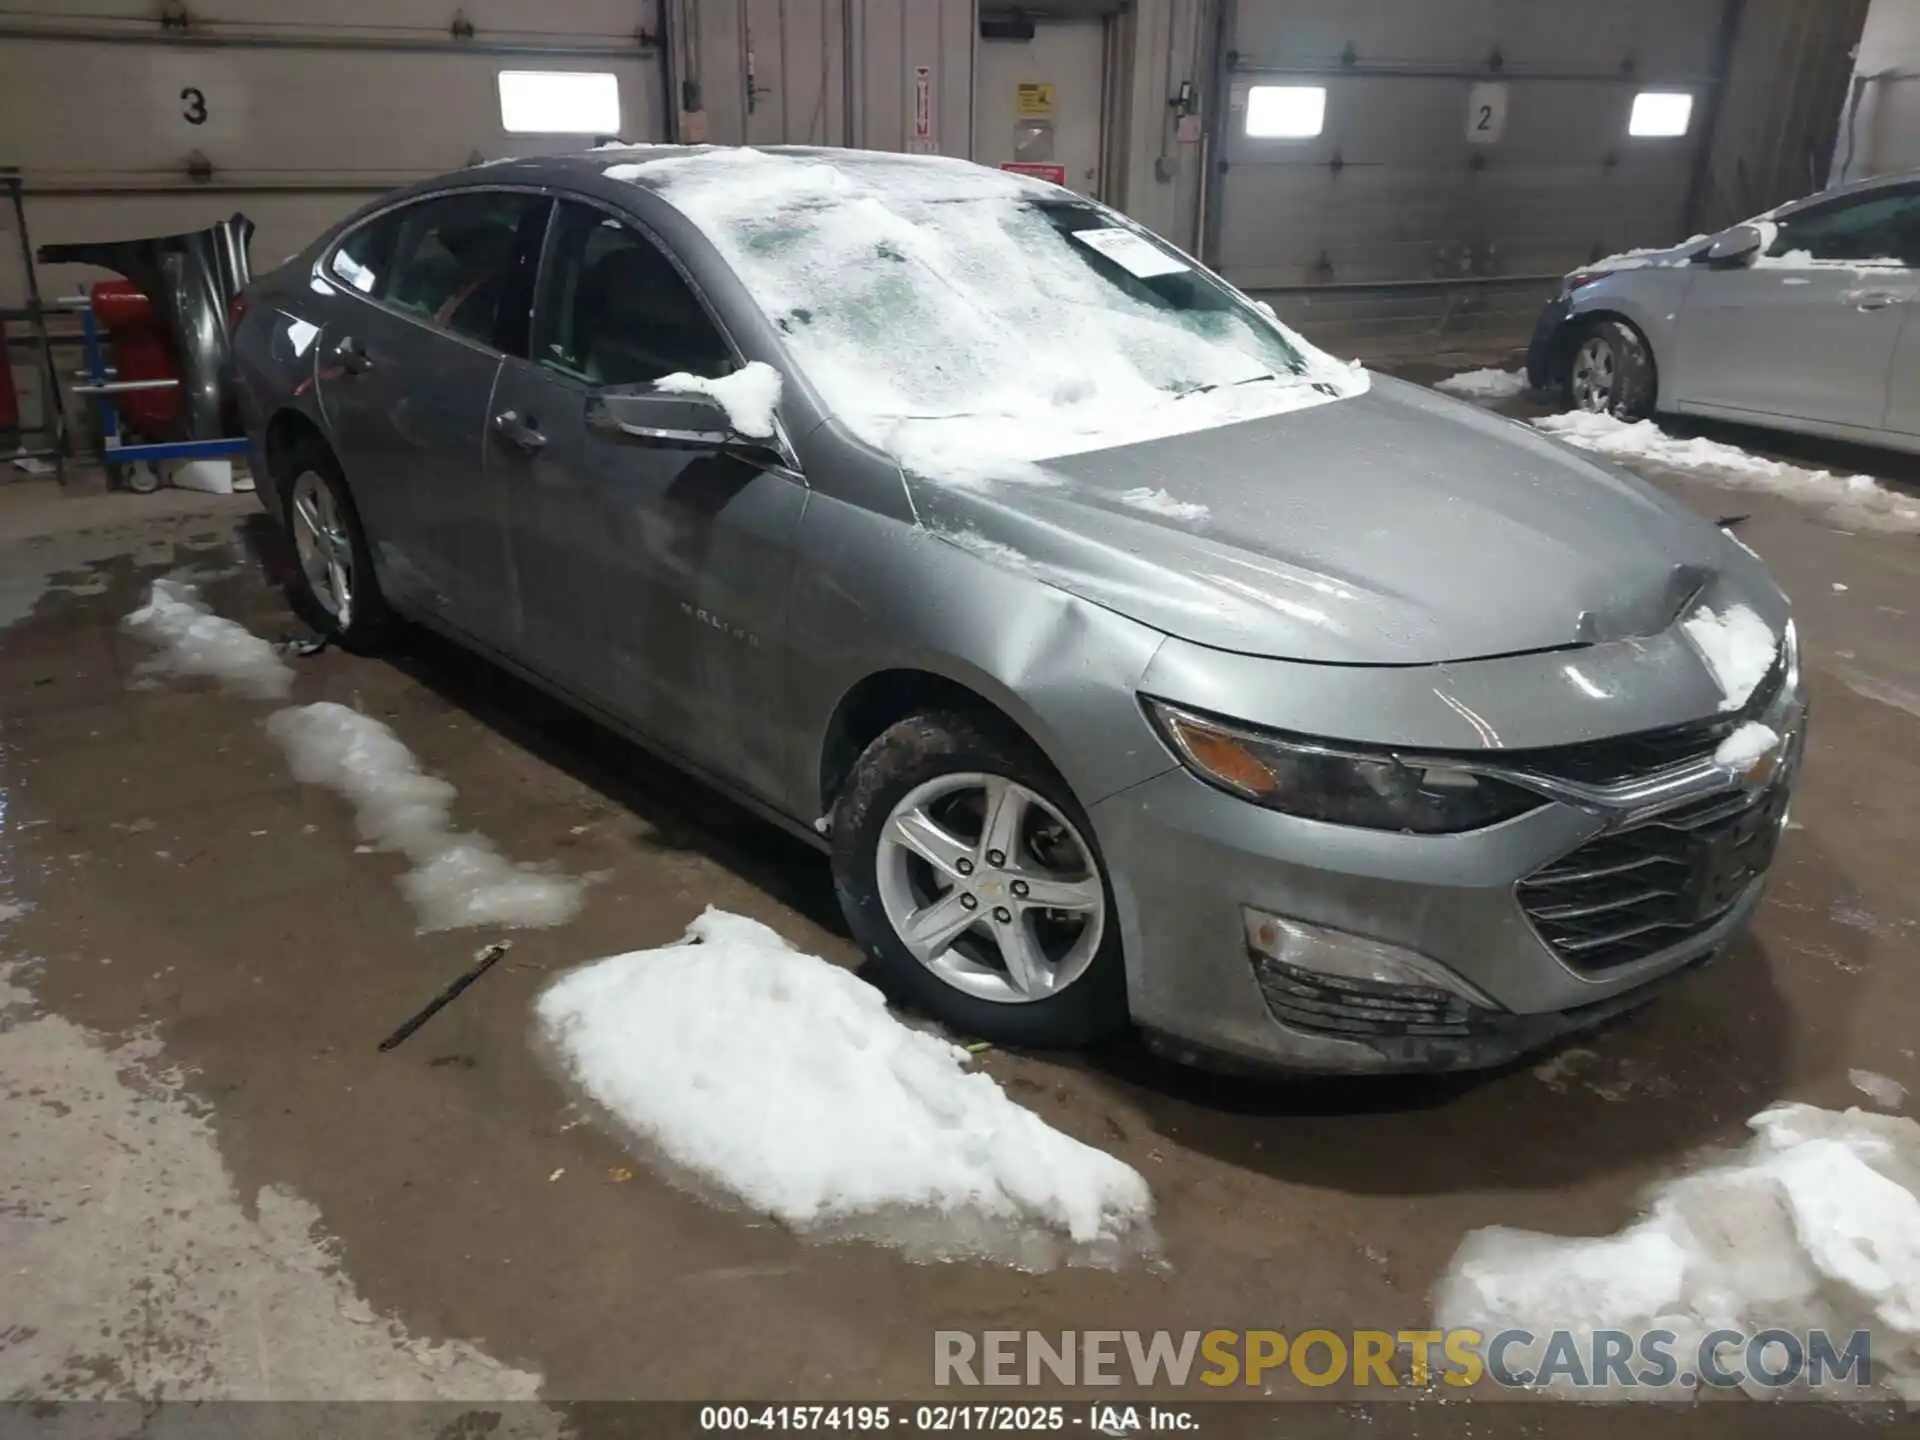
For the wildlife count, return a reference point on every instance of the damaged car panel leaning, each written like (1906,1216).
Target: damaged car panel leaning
(1132,658)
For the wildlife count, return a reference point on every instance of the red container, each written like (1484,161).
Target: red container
(140,352)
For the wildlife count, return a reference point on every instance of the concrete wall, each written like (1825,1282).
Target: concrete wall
(1879,123)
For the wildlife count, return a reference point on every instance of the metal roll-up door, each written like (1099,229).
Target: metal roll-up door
(1483,143)
(295,114)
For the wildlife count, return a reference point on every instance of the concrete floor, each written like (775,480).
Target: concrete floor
(212,1184)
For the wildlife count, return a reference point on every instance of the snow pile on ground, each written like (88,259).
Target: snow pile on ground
(1745,745)
(749,395)
(945,319)
(457,880)
(1484,384)
(195,641)
(1881,1089)
(1159,502)
(1738,647)
(782,1081)
(1814,1225)
(1851,501)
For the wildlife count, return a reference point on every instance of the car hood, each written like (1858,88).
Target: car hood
(1397,527)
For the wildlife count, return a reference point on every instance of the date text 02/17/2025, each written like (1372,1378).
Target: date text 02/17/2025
(874,1419)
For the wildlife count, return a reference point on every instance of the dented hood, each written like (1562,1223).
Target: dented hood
(1397,527)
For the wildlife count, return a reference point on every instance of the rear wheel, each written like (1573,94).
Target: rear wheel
(968,871)
(1611,371)
(333,587)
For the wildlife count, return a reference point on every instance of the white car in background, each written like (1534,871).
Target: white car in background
(1798,319)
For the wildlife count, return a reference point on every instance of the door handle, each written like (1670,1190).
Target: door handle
(510,427)
(1875,299)
(353,356)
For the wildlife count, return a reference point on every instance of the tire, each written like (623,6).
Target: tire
(313,479)
(933,766)
(1610,371)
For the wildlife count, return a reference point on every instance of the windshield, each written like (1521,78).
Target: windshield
(915,293)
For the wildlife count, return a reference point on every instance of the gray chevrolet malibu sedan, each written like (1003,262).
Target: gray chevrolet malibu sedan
(1132,658)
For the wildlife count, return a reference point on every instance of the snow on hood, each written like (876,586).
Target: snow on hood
(1401,528)
(1737,645)
(1814,1225)
(1647,257)
(945,319)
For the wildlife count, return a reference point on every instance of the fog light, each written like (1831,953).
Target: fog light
(1337,954)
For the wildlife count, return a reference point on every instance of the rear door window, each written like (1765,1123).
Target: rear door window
(465,262)
(613,309)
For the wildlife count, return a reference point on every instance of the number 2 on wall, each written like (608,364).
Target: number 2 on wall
(1485,122)
(195,111)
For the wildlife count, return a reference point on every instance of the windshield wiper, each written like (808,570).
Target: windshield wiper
(1208,389)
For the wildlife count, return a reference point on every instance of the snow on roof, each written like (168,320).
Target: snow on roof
(947,321)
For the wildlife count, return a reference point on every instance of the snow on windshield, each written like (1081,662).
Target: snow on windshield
(971,322)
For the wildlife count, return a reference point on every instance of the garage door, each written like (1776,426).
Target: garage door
(1388,145)
(294,114)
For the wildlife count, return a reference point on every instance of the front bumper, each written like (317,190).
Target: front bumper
(1543,348)
(1189,863)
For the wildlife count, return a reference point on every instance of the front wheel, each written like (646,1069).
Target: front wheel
(968,872)
(1611,372)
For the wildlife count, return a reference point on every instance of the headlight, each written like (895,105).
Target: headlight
(1375,792)
(1581,277)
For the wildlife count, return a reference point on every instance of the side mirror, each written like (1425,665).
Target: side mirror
(1735,247)
(689,422)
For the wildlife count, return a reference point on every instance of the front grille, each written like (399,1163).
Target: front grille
(1362,1009)
(1628,757)
(1631,893)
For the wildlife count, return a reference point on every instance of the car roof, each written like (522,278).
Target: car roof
(871,164)
(1841,192)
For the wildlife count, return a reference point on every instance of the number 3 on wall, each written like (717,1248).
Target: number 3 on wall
(194,105)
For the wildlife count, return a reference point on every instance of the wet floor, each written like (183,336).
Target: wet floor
(196,929)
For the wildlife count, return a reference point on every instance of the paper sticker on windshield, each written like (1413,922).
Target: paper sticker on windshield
(1130,252)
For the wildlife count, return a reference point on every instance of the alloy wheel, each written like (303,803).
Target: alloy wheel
(1595,381)
(990,887)
(324,547)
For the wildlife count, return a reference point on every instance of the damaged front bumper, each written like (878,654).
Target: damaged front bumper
(1258,940)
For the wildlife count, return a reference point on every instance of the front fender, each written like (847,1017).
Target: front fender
(1651,299)
(874,594)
